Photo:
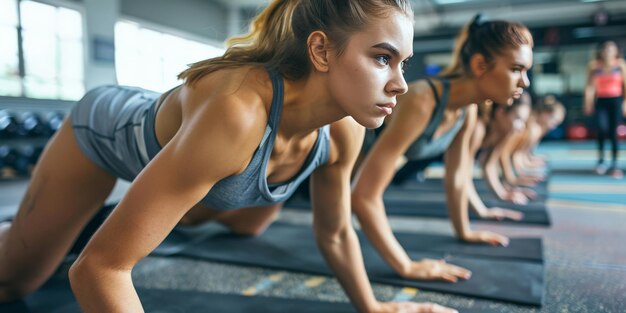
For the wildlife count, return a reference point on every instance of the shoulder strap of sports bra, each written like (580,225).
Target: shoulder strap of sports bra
(440,107)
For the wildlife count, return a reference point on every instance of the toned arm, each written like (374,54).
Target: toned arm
(214,142)
(409,120)
(374,176)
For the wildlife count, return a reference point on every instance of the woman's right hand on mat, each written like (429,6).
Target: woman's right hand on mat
(528,192)
(499,214)
(429,269)
(515,197)
(412,307)
(486,237)
(529,180)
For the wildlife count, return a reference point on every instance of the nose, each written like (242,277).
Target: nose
(397,84)
(524,82)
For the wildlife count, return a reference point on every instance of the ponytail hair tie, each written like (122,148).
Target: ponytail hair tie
(477,21)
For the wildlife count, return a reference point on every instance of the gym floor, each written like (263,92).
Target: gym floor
(584,251)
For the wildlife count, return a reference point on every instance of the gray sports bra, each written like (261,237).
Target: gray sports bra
(424,147)
(250,188)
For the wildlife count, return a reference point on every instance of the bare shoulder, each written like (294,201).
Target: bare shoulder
(414,107)
(472,110)
(420,95)
(346,138)
(471,117)
(237,99)
(223,121)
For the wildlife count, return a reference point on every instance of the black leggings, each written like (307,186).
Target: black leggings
(608,115)
(412,167)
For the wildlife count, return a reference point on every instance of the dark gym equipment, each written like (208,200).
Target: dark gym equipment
(15,159)
(54,120)
(32,125)
(9,125)
(32,153)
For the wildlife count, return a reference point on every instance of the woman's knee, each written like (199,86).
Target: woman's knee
(15,289)
(250,221)
(249,230)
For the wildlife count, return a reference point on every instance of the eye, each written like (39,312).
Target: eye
(404,65)
(383,59)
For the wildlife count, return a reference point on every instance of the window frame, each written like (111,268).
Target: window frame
(65,4)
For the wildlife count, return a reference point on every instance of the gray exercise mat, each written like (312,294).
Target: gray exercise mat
(288,247)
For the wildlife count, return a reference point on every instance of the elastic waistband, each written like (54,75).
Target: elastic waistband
(150,139)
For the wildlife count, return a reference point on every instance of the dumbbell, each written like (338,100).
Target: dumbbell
(9,125)
(32,153)
(54,120)
(33,125)
(14,159)
(577,132)
(5,156)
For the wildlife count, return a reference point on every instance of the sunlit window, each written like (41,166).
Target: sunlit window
(151,59)
(53,51)
(10,82)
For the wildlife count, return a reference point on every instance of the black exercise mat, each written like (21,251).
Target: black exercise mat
(535,214)
(575,171)
(523,249)
(287,247)
(435,184)
(439,209)
(395,194)
(56,297)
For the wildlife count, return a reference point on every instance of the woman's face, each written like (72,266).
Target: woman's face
(366,78)
(609,51)
(550,120)
(515,119)
(507,76)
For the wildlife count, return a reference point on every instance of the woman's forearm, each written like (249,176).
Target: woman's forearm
(98,289)
(343,254)
(475,202)
(457,199)
(375,224)
(507,169)
(493,180)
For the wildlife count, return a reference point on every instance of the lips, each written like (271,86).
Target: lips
(386,107)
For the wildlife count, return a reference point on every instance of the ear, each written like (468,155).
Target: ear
(318,48)
(478,65)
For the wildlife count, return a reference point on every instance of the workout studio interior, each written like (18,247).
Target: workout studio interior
(318,156)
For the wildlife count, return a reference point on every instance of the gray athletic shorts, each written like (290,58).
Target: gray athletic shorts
(108,123)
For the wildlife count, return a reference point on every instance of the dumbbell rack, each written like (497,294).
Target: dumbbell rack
(26,125)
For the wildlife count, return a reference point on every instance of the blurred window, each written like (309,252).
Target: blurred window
(153,59)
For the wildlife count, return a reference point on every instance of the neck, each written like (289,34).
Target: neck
(307,106)
(463,92)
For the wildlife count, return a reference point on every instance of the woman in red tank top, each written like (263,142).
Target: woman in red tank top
(604,98)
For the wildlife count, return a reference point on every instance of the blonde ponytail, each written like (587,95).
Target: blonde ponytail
(278,35)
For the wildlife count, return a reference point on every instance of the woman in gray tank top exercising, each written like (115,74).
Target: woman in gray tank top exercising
(491,60)
(229,144)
